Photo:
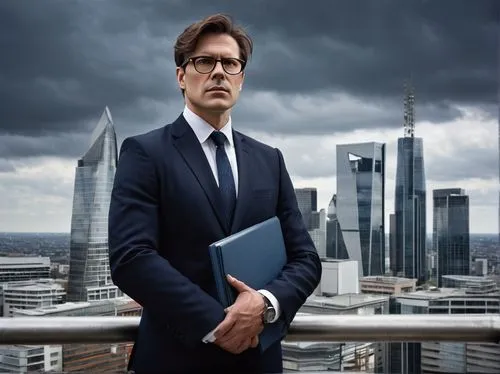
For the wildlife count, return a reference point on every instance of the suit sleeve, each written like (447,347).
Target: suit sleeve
(302,273)
(136,266)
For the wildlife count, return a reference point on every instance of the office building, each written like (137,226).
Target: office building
(307,200)
(481,266)
(339,277)
(89,272)
(387,285)
(31,295)
(360,204)
(335,245)
(30,358)
(392,244)
(23,268)
(410,201)
(318,233)
(450,232)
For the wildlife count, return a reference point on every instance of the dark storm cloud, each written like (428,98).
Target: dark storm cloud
(16,146)
(63,61)
(369,48)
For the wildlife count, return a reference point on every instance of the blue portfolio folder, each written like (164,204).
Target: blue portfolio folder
(256,256)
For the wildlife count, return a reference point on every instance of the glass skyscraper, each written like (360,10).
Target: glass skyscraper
(89,272)
(450,231)
(307,200)
(410,210)
(335,245)
(410,200)
(360,204)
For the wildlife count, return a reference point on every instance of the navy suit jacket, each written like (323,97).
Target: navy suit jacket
(165,211)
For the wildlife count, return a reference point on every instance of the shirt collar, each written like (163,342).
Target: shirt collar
(203,129)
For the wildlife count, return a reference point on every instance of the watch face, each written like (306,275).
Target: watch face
(269,314)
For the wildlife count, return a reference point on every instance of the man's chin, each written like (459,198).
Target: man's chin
(218,105)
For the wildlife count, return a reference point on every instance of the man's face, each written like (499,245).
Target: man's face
(217,91)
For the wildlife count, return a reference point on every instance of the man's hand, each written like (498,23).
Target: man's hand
(243,322)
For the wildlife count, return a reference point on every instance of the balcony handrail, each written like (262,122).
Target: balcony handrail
(478,328)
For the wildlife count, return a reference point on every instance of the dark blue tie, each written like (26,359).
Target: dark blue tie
(225,175)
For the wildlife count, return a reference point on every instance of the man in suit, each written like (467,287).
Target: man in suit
(180,188)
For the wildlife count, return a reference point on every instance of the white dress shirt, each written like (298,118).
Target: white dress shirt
(202,130)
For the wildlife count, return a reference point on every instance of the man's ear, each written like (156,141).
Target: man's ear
(180,77)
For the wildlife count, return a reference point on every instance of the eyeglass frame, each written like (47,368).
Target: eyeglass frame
(193,59)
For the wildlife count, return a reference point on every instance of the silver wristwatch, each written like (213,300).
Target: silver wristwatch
(269,311)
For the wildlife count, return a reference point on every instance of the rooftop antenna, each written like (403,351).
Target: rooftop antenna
(409,110)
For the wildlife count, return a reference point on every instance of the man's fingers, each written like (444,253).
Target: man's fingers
(239,285)
(255,341)
(242,345)
(234,344)
(224,326)
(245,345)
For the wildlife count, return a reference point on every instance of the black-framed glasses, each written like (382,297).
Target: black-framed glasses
(206,64)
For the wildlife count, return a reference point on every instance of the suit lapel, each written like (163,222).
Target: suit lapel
(190,149)
(244,180)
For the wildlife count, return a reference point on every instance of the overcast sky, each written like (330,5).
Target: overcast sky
(323,73)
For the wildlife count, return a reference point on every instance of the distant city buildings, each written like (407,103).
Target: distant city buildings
(459,295)
(307,200)
(315,221)
(338,294)
(335,244)
(20,269)
(89,272)
(91,358)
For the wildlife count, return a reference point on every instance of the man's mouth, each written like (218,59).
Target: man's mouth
(218,88)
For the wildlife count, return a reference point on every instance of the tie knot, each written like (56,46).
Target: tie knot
(218,138)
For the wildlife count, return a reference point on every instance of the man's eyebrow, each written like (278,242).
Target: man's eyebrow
(211,54)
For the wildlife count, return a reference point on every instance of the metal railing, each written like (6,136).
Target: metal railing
(327,328)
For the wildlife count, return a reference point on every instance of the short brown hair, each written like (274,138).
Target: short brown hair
(217,23)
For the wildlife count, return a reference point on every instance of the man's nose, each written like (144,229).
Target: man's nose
(218,70)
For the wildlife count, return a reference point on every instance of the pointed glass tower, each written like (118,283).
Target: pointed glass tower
(89,273)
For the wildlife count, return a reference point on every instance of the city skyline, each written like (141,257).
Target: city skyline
(345,85)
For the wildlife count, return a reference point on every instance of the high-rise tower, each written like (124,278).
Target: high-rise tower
(450,232)
(360,205)
(89,272)
(410,199)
